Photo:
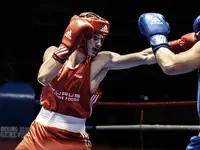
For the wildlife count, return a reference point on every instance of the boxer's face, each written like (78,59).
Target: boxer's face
(94,44)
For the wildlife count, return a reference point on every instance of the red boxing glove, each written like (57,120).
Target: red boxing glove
(184,43)
(77,30)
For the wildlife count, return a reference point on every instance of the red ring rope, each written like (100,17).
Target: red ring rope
(144,104)
(147,104)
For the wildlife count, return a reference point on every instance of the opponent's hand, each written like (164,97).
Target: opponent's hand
(77,30)
(155,28)
(196,27)
(184,43)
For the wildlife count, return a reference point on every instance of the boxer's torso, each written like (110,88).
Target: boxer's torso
(74,91)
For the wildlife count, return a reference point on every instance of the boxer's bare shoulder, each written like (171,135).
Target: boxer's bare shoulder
(99,62)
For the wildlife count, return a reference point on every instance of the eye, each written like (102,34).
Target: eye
(95,37)
(98,37)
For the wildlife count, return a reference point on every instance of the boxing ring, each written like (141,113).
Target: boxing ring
(147,126)
(18,110)
(144,126)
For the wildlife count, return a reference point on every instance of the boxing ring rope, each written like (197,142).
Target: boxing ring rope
(144,126)
(147,104)
(143,104)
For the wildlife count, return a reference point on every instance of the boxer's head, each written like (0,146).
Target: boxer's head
(101,25)
(101,30)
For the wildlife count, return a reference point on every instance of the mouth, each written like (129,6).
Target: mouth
(95,49)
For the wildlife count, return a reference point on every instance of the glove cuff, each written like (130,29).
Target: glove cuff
(198,37)
(158,41)
(62,61)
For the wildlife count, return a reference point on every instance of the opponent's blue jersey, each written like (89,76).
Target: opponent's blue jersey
(198,94)
(195,140)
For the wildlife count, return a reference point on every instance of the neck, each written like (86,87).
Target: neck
(76,58)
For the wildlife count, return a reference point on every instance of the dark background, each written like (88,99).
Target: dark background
(31,27)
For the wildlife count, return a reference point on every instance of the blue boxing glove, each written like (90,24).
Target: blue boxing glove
(155,28)
(196,27)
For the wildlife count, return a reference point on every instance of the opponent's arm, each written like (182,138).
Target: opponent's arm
(171,64)
(183,62)
(174,64)
(117,61)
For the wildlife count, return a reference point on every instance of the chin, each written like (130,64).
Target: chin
(91,54)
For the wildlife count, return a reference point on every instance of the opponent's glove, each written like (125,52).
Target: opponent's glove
(155,28)
(184,43)
(77,30)
(196,27)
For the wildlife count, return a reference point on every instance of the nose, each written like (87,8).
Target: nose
(98,44)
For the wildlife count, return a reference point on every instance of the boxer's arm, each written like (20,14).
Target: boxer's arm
(174,64)
(118,61)
(77,30)
(49,68)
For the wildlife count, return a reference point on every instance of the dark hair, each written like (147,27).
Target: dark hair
(92,15)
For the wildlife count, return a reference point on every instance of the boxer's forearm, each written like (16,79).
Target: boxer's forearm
(149,57)
(147,51)
(48,71)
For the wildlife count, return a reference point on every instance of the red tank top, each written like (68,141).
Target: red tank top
(69,92)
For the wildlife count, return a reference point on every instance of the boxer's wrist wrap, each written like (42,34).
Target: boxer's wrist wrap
(62,61)
(158,41)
